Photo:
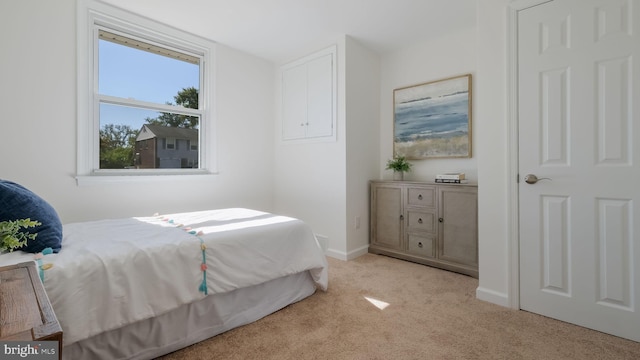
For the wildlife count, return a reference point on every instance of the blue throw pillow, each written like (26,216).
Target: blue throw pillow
(17,202)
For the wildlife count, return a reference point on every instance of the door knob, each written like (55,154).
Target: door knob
(532,179)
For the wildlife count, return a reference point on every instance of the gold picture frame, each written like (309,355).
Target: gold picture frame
(433,119)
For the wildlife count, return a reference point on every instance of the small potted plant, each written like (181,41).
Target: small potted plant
(399,165)
(11,237)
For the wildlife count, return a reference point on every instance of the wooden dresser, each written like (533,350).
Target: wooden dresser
(25,311)
(428,223)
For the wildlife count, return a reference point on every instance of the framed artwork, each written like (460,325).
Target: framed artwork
(433,120)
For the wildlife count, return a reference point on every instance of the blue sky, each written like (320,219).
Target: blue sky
(130,73)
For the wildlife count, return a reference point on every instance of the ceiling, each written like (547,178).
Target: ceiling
(283,30)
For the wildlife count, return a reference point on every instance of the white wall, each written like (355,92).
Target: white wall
(451,55)
(38,125)
(493,165)
(363,148)
(310,176)
(326,183)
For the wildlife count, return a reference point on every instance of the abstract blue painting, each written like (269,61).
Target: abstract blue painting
(433,120)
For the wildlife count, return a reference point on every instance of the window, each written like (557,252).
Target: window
(142,89)
(171,143)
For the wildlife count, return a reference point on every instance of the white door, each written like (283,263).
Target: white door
(579,122)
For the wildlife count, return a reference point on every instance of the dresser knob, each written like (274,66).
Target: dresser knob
(419,196)
(420,244)
(420,221)
(441,220)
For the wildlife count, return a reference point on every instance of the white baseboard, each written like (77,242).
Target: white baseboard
(336,254)
(492,297)
(341,255)
(358,252)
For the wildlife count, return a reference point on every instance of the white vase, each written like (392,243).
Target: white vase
(398,175)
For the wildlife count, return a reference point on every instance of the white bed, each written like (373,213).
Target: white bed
(138,288)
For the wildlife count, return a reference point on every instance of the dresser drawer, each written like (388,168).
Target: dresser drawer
(422,196)
(421,245)
(421,221)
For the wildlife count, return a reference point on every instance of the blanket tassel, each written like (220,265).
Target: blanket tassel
(203,267)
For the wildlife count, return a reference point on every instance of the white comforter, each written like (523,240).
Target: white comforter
(110,273)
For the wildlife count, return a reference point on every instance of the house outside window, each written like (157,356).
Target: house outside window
(166,157)
(137,76)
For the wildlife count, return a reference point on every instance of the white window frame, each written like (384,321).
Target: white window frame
(170,143)
(93,15)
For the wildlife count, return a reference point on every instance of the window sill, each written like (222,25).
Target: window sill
(135,178)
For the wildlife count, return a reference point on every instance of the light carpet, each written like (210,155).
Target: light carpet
(429,314)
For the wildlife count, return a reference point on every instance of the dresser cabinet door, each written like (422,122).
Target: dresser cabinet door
(458,225)
(387,218)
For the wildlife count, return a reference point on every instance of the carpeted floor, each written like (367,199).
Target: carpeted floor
(431,314)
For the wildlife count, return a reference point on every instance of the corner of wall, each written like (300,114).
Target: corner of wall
(492,296)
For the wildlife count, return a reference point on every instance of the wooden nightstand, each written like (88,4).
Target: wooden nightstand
(25,311)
